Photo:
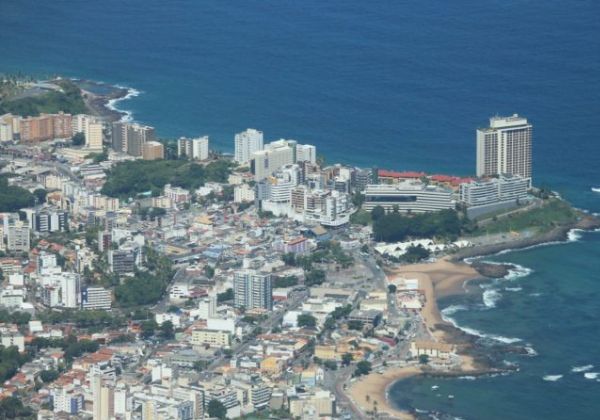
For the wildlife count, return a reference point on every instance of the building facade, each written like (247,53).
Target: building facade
(407,196)
(252,290)
(193,149)
(505,147)
(246,144)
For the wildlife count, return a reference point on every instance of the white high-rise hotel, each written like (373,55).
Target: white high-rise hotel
(505,147)
(246,143)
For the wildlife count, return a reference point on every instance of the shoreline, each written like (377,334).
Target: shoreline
(103,105)
(451,276)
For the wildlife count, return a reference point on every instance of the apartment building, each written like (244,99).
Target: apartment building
(193,149)
(246,144)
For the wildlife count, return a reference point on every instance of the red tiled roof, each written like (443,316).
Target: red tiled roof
(393,174)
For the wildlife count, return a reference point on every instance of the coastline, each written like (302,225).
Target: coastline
(103,104)
(449,276)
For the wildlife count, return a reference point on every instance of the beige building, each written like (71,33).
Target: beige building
(153,150)
(213,338)
(320,404)
(93,136)
(505,147)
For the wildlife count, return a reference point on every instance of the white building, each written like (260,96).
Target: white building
(306,153)
(243,193)
(505,147)
(246,143)
(408,196)
(194,149)
(485,196)
(96,298)
(252,290)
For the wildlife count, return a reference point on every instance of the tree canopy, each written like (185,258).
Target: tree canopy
(394,227)
(128,179)
(13,198)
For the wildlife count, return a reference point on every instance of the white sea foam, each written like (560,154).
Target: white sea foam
(552,378)
(530,351)
(535,294)
(591,375)
(513,289)
(517,271)
(491,297)
(574,235)
(112,104)
(584,368)
(446,312)
(467,378)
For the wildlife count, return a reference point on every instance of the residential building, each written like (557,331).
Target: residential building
(94,136)
(122,261)
(18,238)
(46,127)
(130,138)
(306,153)
(153,150)
(246,144)
(505,147)
(274,155)
(96,298)
(193,149)
(243,193)
(252,290)
(408,196)
(212,338)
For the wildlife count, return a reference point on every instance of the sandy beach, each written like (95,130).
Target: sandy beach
(437,280)
(370,391)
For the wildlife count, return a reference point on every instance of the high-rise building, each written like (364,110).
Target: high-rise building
(93,136)
(18,238)
(130,138)
(275,155)
(505,147)
(153,150)
(195,149)
(246,143)
(306,153)
(252,290)
(119,136)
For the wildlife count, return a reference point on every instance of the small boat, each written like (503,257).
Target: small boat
(434,387)
(596,189)
(451,396)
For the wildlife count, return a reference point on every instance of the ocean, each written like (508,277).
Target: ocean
(394,84)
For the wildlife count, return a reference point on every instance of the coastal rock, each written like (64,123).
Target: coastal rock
(492,270)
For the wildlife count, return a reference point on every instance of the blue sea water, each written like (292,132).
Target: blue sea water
(397,84)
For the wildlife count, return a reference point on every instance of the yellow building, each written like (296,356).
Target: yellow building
(214,338)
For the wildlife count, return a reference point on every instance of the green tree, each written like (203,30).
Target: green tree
(377,213)
(217,409)
(423,359)
(166,330)
(49,376)
(392,288)
(306,320)
(347,359)
(40,195)
(362,368)
(78,139)
(148,328)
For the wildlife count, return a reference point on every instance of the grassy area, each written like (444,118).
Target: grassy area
(553,213)
(69,101)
